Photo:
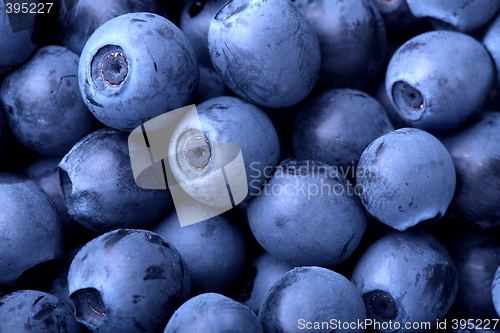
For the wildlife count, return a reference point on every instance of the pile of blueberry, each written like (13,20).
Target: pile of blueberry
(369,132)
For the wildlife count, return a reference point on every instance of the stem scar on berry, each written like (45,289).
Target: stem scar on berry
(384,307)
(412,97)
(114,68)
(198,153)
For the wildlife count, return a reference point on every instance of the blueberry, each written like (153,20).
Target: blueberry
(35,311)
(312,298)
(307,214)
(77,25)
(264,272)
(127,281)
(352,39)
(214,250)
(460,15)
(406,278)
(195,22)
(439,79)
(136,67)
(477,256)
(43,105)
(213,313)
(31,237)
(99,189)
(16,46)
(266,51)
(475,150)
(406,177)
(333,128)
(223,119)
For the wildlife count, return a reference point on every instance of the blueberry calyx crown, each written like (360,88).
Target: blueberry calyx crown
(198,153)
(412,97)
(409,101)
(109,68)
(89,307)
(95,305)
(384,307)
(114,68)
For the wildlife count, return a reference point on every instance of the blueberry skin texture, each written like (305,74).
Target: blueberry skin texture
(406,277)
(214,250)
(439,79)
(135,67)
(264,272)
(16,47)
(475,151)
(43,104)
(491,40)
(313,294)
(77,25)
(127,281)
(230,119)
(307,214)
(352,39)
(99,189)
(31,237)
(337,126)
(477,256)
(45,172)
(213,313)
(460,15)
(279,65)
(195,21)
(406,177)
(35,311)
